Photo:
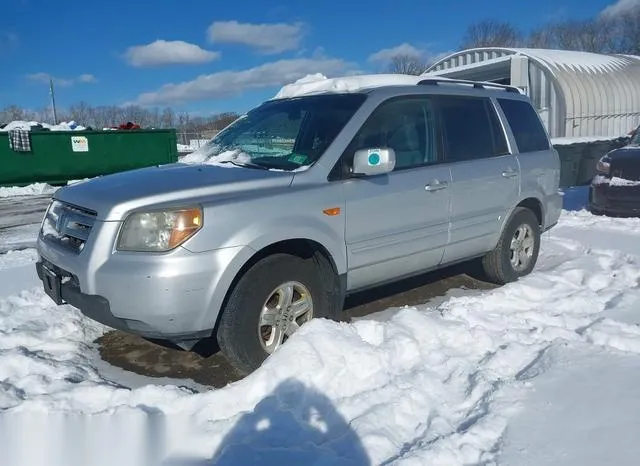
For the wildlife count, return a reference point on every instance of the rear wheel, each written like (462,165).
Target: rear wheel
(516,253)
(268,305)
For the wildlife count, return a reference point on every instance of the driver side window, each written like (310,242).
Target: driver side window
(407,126)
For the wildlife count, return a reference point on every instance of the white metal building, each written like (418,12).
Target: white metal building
(577,94)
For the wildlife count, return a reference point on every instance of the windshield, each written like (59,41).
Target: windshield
(281,134)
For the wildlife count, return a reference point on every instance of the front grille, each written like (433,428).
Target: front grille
(68,225)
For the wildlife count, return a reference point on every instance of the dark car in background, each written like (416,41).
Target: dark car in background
(615,190)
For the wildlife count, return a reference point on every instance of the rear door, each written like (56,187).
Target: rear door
(539,162)
(485,175)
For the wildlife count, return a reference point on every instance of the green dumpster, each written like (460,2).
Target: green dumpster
(55,157)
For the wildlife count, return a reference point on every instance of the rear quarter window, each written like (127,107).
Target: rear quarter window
(527,129)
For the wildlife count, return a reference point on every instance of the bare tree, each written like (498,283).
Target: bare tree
(223,120)
(618,33)
(82,111)
(542,38)
(491,33)
(168,118)
(585,35)
(407,64)
(626,30)
(12,112)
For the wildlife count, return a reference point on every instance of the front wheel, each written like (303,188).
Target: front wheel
(517,250)
(268,305)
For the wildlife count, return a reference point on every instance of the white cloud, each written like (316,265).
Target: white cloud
(230,83)
(385,55)
(87,78)
(266,38)
(621,6)
(164,52)
(62,82)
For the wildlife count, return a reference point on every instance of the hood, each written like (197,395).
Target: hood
(112,196)
(625,163)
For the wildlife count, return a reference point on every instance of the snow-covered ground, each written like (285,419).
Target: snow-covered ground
(542,371)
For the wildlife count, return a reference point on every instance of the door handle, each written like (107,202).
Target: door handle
(436,186)
(509,173)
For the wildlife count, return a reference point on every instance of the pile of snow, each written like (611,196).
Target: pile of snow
(209,155)
(434,384)
(194,144)
(614,181)
(565,141)
(318,83)
(35,189)
(64,126)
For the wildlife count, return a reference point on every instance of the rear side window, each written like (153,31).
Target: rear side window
(471,129)
(527,130)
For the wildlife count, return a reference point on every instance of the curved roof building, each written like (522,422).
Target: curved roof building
(577,94)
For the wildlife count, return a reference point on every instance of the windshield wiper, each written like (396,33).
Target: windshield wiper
(245,164)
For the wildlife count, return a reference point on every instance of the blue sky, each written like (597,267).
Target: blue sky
(206,57)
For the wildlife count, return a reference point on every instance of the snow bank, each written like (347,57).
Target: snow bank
(565,141)
(35,189)
(433,384)
(29,190)
(614,181)
(64,126)
(316,84)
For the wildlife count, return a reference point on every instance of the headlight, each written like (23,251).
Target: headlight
(159,231)
(604,165)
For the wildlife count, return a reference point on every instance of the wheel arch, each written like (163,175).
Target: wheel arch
(535,205)
(304,248)
(532,203)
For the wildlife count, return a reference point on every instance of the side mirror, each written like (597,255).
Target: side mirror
(370,162)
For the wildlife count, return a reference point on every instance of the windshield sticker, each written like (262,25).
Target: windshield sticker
(297,158)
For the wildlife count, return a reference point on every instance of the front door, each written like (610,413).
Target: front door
(398,224)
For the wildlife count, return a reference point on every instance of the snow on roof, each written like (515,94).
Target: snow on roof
(27,125)
(578,61)
(569,60)
(320,84)
(469,66)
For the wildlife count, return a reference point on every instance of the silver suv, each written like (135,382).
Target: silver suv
(300,202)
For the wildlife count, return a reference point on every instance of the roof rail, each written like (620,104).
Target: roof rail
(475,84)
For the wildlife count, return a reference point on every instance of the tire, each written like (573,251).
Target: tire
(497,265)
(238,331)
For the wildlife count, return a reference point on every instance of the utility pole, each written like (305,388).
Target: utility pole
(53,101)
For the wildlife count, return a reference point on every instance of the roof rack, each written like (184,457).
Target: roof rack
(475,84)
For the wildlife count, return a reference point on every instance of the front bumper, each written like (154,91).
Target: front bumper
(619,201)
(98,309)
(175,296)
